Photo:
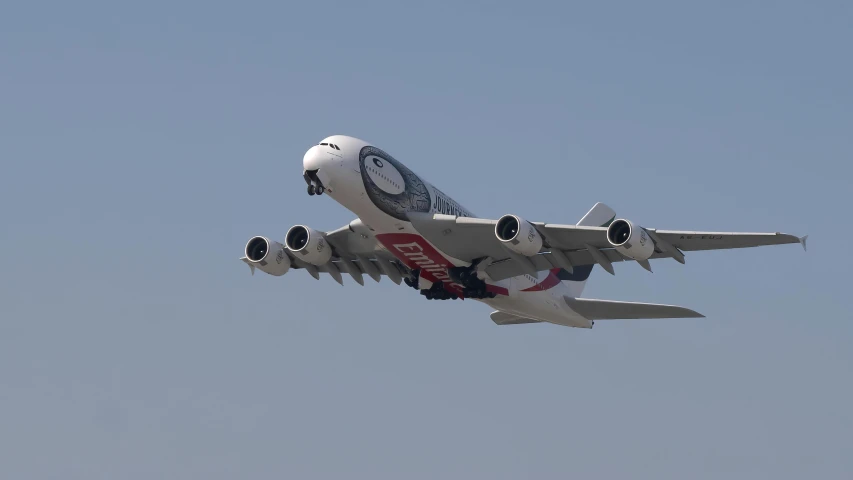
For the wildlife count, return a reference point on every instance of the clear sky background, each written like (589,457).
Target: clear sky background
(141,145)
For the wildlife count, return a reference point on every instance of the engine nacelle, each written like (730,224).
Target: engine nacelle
(308,244)
(518,235)
(267,256)
(630,240)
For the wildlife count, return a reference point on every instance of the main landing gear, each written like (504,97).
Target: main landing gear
(315,187)
(438,292)
(474,287)
(412,281)
(465,276)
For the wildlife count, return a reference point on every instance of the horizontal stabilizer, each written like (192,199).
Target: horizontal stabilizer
(592,309)
(503,318)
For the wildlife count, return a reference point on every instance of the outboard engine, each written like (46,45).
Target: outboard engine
(630,240)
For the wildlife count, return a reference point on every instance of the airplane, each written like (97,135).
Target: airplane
(528,272)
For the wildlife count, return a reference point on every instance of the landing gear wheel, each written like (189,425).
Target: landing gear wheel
(320,189)
(311,190)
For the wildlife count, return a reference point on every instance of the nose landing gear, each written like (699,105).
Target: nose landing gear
(315,190)
(315,187)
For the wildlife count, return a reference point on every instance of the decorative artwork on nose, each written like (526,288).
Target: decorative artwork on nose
(391,186)
(384,175)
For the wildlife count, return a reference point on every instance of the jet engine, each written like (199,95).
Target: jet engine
(268,256)
(308,244)
(518,235)
(630,240)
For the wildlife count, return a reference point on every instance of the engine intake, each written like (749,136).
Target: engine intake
(518,235)
(630,240)
(268,256)
(309,244)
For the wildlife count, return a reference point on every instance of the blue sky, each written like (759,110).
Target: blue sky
(142,144)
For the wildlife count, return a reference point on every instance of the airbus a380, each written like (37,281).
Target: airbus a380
(411,232)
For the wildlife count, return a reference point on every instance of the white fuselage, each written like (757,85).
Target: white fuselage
(380,191)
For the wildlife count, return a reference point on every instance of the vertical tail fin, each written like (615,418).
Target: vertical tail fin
(600,215)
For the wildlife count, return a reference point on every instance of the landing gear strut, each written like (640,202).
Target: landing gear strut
(412,281)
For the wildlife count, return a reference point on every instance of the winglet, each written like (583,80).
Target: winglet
(803,242)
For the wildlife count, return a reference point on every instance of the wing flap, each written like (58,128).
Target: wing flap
(504,268)
(593,309)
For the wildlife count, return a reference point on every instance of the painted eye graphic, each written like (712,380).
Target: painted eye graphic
(378,162)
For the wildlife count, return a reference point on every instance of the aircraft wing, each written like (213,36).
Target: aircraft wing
(471,239)
(355,252)
(593,309)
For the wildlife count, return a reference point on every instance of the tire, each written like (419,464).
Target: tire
(311,190)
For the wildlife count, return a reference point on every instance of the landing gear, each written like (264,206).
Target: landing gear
(478,293)
(412,281)
(315,187)
(465,276)
(438,292)
(474,287)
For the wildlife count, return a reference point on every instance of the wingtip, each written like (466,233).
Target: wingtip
(690,313)
(803,242)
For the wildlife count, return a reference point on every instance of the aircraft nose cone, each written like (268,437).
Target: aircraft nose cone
(315,158)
